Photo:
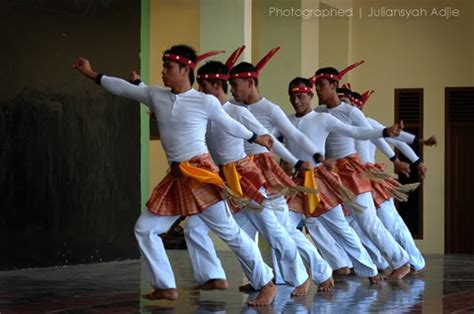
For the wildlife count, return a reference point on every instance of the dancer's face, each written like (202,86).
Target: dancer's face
(241,89)
(301,102)
(173,75)
(325,90)
(208,88)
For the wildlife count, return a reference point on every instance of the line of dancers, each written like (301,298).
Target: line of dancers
(224,177)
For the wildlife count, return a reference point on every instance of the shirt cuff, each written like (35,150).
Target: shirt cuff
(253,138)
(98,78)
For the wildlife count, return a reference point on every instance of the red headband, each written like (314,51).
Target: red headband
(258,67)
(358,102)
(335,77)
(186,61)
(301,90)
(229,64)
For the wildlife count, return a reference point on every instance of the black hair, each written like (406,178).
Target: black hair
(244,67)
(345,91)
(329,70)
(300,80)
(185,51)
(214,67)
(356,95)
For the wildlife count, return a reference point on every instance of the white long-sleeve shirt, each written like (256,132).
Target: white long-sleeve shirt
(276,122)
(226,148)
(398,142)
(339,145)
(182,118)
(317,126)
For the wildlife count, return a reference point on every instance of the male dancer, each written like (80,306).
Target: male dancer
(244,89)
(247,181)
(384,202)
(352,171)
(325,207)
(192,187)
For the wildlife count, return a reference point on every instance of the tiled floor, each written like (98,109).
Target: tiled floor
(447,286)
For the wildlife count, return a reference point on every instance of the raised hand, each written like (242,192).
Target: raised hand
(83,65)
(395,129)
(265,140)
(429,142)
(402,167)
(134,76)
(421,170)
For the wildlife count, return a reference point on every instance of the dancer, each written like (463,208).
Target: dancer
(244,79)
(384,201)
(192,186)
(352,171)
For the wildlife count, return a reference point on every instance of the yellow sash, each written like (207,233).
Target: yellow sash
(312,199)
(232,178)
(200,175)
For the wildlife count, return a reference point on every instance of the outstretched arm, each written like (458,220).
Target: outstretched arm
(235,128)
(359,119)
(113,85)
(332,124)
(291,133)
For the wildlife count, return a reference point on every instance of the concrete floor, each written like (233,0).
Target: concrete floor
(447,286)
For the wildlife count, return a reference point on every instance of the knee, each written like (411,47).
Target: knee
(142,229)
(189,231)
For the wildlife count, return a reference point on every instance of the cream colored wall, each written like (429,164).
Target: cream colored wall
(276,31)
(334,30)
(165,31)
(233,19)
(423,53)
(310,34)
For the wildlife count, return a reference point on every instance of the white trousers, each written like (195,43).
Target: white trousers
(335,222)
(377,233)
(203,254)
(394,223)
(218,219)
(327,245)
(374,252)
(320,269)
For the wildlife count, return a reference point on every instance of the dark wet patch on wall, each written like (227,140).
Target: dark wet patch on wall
(69,152)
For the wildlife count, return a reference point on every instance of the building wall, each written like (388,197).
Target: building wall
(426,52)
(165,32)
(70,152)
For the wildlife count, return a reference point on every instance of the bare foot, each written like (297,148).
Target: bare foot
(265,296)
(158,294)
(384,272)
(214,284)
(326,286)
(248,288)
(342,271)
(376,279)
(400,272)
(301,289)
(419,272)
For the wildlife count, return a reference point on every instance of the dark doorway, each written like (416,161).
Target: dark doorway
(459,167)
